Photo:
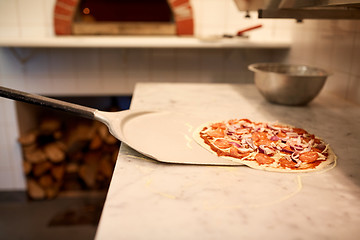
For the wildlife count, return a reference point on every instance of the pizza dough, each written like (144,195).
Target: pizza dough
(272,147)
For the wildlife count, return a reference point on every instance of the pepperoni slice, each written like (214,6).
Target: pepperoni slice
(234,152)
(316,150)
(256,136)
(221,143)
(218,133)
(220,125)
(281,135)
(299,131)
(265,142)
(287,150)
(263,159)
(246,120)
(260,138)
(286,163)
(233,121)
(308,157)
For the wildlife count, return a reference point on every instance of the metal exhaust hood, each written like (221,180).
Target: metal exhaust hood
(308,9)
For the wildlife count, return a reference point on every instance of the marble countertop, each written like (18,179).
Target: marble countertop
(152,200)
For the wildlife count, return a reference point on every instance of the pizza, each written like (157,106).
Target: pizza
(268,146)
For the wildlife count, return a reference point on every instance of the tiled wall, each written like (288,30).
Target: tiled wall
(115,71)
(332,45)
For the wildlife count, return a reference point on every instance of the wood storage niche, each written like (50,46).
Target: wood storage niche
(63,153)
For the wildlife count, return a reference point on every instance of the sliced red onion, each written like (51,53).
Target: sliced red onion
(298,148)
(269,151)
(250,142)
(291,142)
(295,156)
(286,150)
(282,145)
(321,147)
(286,129)
(274,128)
(307,149)
(292,134)
(261,149)
(266,150)
(298,164)
(274,138)
(242,131)
(244,150)
(246,136)
(235,144)
(246,124)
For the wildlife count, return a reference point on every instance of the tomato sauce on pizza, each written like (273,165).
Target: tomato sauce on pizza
(274,147)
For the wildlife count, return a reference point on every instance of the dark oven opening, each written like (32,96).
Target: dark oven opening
(124,17)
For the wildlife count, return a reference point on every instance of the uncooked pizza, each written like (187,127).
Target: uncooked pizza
(273,147)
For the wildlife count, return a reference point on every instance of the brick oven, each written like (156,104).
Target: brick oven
(123,17)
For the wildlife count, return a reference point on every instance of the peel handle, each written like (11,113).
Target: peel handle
(79,110)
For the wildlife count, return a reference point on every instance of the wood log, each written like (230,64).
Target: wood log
(115,156)
(72,167)
(49,125)
(41,168)
(92,157)
(61,145)
(109,148)
(54,153)
(110,139)
(28,138)
(35,156)
(35,191)
(103,131)
(106,167)
(101,178)
(58,172)
(27,167)
(96,142)
(71,182)
(78,137)
(52,191)
(58,135)
(87,172)
(46,181)
(68,157)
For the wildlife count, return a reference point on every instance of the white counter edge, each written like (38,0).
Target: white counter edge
(142,42)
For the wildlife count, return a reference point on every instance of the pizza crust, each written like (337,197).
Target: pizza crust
(325,165)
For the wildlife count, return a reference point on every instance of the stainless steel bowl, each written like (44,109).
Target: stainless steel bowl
(288,84)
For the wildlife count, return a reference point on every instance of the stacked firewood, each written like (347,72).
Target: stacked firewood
(72,155)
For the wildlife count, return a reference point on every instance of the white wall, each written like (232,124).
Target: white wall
(332,45)
(115,71)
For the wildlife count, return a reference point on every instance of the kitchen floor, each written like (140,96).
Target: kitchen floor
(69,216)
